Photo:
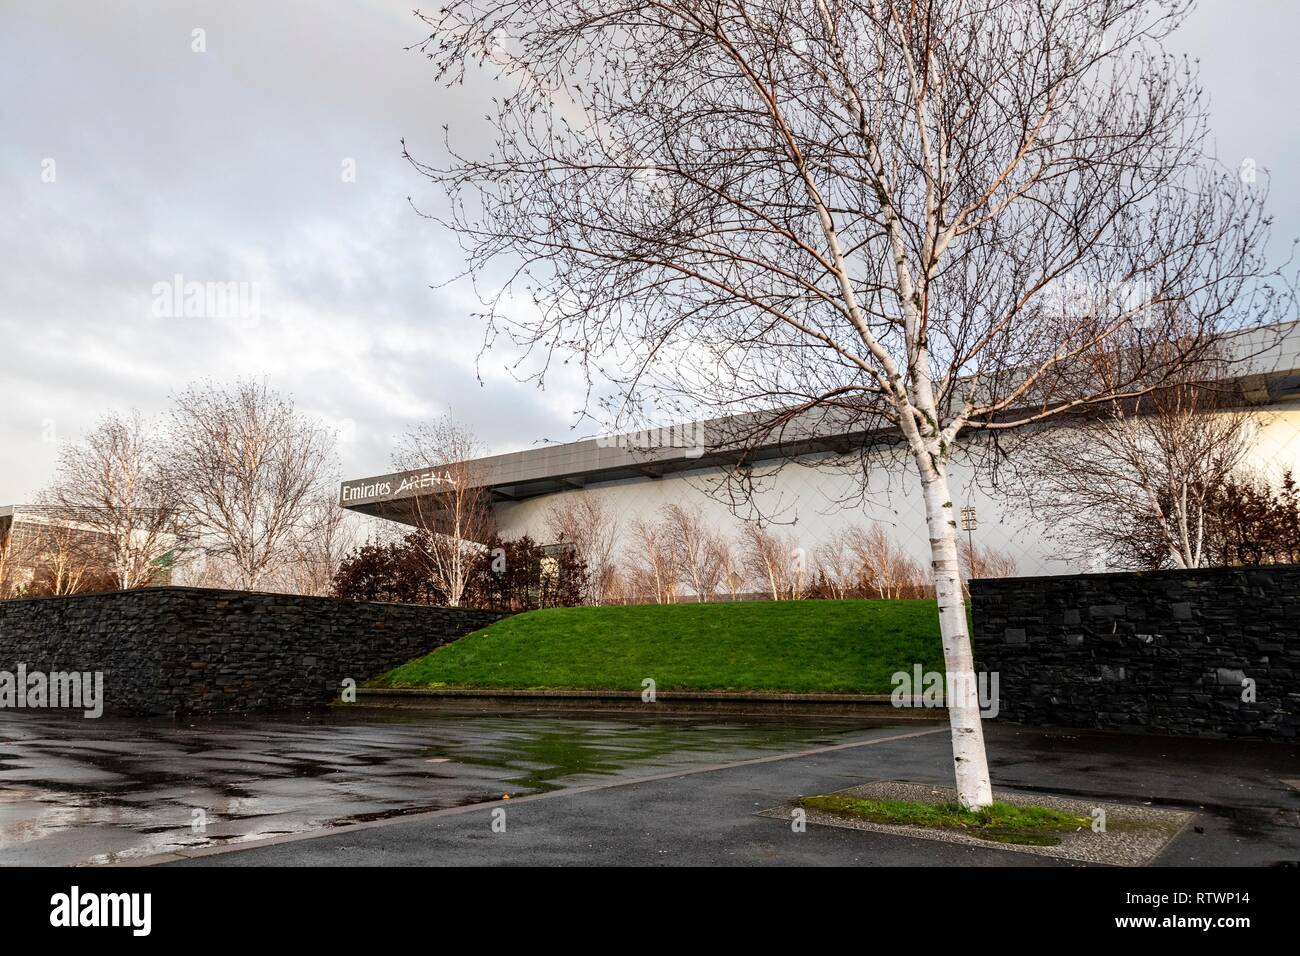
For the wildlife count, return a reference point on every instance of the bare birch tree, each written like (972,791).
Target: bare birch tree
(114,484)
(887,568)
(712,566)
(201,569)
(921,216)
(838,564)
(588,524)
(697,551)
(984,561)
(734,579)
(654,560)
(16,556)
(327,535)
(764,558)
(247,468)
(1133,485)
(65,557)
(454,504)
(797,568)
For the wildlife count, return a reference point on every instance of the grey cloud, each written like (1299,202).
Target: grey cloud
(225,166)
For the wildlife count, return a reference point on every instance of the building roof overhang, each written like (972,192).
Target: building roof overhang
(1269,374)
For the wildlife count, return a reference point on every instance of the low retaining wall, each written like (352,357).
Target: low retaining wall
(178,650)
(667,703)
(1164,651)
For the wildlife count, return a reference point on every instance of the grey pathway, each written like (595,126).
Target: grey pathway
(1246,814)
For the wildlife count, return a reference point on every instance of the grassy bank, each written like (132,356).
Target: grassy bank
(798,646)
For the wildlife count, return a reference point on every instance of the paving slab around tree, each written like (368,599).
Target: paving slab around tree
(1114,834)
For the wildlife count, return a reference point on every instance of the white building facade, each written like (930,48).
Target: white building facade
(812,491)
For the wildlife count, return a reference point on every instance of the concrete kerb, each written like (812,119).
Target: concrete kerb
(666,703)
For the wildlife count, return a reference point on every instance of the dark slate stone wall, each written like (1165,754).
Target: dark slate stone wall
(1163,651)
(177,650)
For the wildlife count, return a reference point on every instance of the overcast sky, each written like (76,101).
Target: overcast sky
(127,158)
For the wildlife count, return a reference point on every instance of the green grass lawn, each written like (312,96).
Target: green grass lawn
(841,646)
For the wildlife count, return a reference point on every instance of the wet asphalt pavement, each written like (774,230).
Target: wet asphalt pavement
(75,791)
(596,790)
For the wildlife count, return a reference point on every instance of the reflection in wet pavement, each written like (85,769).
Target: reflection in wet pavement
(97,791)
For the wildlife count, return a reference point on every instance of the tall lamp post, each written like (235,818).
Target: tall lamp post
(968,524)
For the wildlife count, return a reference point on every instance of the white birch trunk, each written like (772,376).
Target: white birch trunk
(974,789)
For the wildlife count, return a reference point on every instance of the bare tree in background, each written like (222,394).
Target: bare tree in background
(763,558)
(653,560)
(773,561)
(113,483)
(731,560)
(638,586)
(588,524)
(838,564)
(247,469)
(65,557)
(454,504)
(888,569)
(43,553)
(327,536)
(986,562)
(797,568)
(201,569)
(714,563)
(15,559)
(620,589)
(1134,483)
(697,550)
(924,219)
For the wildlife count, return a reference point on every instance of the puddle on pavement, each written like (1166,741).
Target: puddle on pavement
(76,791)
